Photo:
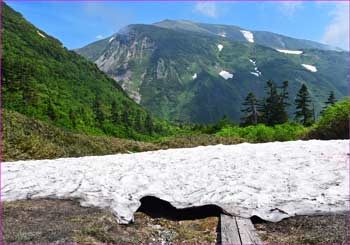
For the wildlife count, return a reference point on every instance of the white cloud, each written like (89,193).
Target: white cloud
(337,31)
(289,8)
(207,8)
(99,37)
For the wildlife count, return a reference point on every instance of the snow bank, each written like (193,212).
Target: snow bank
(310,67)
(111,39)
(286,51)
(194,76)
(271,180)
(226,75)
(220,47)
(40,34)
(248,35)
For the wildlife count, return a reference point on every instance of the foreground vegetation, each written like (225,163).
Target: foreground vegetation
(28,138)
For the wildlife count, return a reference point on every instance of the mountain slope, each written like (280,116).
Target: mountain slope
(44,80)
(236,33)
(190,75)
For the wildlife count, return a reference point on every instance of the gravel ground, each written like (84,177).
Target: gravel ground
(325,229)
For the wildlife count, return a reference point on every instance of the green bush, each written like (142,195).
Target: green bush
(334,123)
(263,133)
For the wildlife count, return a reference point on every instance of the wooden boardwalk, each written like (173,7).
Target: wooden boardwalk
(236,230)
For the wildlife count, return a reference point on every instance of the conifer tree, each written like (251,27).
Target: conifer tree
(250,110)
(273,107)
(115,114)
(125,117)
(99,115)
(330,101)
(51,112)
(149,124)
(304,113)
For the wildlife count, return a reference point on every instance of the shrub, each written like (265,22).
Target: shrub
(263,133)
(334,123)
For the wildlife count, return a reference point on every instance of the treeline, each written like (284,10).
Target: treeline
(271,110)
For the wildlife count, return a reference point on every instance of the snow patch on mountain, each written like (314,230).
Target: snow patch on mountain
(256,69)
(222,34)
(220,47)
(111,39)
(40,34)
(226,75)
(310,67)
(286,51)
(248,35)
(194,76)
(270,180)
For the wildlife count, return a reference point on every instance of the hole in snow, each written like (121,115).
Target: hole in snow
(158,208)
(257,220)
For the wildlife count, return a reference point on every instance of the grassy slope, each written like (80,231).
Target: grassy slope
(44,80)
(26,138)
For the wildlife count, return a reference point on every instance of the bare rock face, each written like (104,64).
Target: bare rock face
(116,58)
(270,180)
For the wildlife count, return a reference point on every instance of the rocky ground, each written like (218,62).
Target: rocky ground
(325,229)
(49,221)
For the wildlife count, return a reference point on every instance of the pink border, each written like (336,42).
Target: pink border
(1,236)
(177,1)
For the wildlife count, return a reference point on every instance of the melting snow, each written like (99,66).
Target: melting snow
(111,39)
(256,70)
(286,51)
(248,35)
(271,180)
(220,47)
(194,76)
(310,67)
(223,34)
(40,34)
(226,75)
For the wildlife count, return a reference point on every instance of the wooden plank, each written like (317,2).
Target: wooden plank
(229,230)
(247,231)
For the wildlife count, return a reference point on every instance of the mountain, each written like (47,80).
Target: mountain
(181,71)
(45,81)
(237,33)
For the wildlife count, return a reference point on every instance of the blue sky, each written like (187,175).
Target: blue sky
(79,23)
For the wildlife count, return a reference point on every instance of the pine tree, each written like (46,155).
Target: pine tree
(303,113)
(250,110)
(149,124)
(99,115)
(330,101)
(125,117)
(138,122)
(282,115)
(115,114)
(73,117)
(274,106)
(51,112)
